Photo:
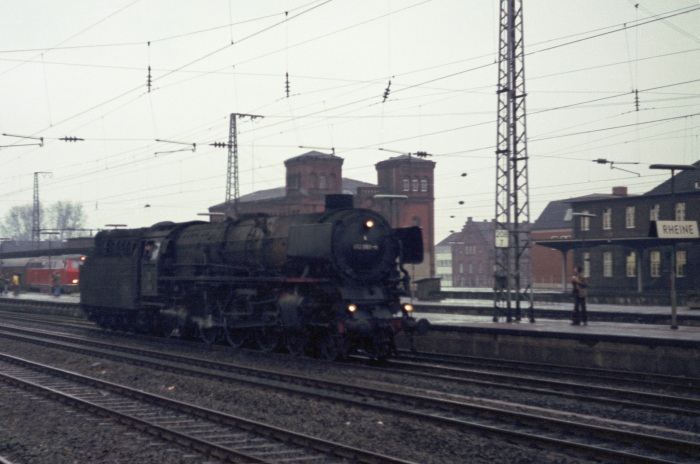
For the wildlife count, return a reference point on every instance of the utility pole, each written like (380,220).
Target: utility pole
(513,269)
(36,212)
(232,174)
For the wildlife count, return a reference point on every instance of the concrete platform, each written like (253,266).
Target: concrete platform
(547,310)
(605,342)
(467,327)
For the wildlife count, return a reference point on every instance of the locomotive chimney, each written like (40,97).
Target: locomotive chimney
(338,201)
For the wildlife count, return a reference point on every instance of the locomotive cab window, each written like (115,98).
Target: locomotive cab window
(150,251)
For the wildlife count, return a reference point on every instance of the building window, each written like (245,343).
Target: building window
(424,184)
(629,217)
(607,219)
(607,264)
(293,181)
(585,221)
(680,211)
(322,182)
(406,184)
(655,261)
(586,264)
(680,263)
(632,264)
(654,213)
(415,185)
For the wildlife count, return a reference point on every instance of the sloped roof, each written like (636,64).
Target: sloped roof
(404,159)
(348,186)
(554,215)
(453,237)
(685,182)
(313,155)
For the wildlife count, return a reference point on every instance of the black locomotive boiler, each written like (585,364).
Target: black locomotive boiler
(326,283)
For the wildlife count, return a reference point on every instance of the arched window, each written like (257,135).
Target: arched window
(332,181)
(314,180)
(406,184)
(424,184)
(415,184)
(322,182)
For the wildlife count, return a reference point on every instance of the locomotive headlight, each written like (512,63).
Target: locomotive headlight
(369,224)
(408,307)
(74,281)
(352,308)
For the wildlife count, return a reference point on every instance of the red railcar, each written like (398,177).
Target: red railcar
(37,273)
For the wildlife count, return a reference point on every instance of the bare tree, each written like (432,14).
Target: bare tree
(65,217)
(18,223)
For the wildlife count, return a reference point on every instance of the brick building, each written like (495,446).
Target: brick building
(404,194)
(551,269)
(611,238)
(471,256)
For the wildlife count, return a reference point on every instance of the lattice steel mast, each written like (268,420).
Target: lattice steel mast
(36,212)
(232,172)
(513,271)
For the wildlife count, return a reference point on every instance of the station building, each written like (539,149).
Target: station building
(612,237)
(403,194)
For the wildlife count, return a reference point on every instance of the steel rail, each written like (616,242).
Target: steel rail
(494,420)
(297,446)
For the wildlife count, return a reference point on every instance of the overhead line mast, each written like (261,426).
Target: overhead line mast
(232,171)
(513,268)
(36,211)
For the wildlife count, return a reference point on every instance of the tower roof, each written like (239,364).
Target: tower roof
(313,155)
(405,159)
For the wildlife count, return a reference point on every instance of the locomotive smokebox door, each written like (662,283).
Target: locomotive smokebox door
(411,239)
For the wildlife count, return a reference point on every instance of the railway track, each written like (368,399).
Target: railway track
(666,382)
(212,433)
(672,397)
(552,429)
(680,395)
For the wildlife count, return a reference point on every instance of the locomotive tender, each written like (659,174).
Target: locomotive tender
(326,283)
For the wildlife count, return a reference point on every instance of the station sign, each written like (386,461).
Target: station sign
(674,229)
(501,238)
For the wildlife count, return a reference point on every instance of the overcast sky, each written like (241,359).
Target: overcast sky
(79,68)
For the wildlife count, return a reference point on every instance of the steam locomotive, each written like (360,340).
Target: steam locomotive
(327,284)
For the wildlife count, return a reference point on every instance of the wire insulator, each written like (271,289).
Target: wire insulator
(386,91)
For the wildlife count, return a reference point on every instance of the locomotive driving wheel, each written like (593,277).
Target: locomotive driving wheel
(235,313)
(209,326)
(234,336)
(296,343)
(267,338)
(209,332)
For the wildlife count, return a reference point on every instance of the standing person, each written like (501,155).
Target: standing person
(15,284)
(580,292)
(56,284)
